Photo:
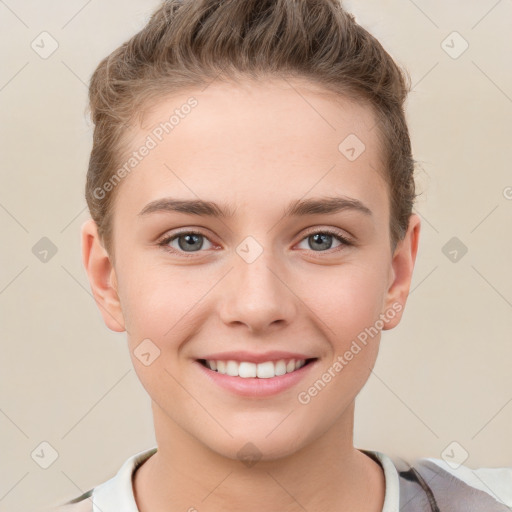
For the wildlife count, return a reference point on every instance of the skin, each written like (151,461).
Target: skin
(255,148)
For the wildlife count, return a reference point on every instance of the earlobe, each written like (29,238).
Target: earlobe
(102,277)
(402,265)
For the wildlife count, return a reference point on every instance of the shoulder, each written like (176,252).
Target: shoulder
(427,483)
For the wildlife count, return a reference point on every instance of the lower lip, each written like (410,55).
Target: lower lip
(253,386)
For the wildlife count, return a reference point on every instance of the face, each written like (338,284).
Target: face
(271,284)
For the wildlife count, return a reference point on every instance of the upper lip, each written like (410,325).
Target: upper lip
(252,357)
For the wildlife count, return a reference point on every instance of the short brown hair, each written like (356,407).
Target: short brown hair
(189,43)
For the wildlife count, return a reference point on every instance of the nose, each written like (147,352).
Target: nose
(257,295)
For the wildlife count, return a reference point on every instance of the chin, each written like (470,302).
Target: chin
(259,447)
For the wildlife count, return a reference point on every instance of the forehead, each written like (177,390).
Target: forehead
(252,143)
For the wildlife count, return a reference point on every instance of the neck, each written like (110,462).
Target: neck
(327,474)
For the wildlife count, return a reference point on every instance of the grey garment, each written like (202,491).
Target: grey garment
(426,487)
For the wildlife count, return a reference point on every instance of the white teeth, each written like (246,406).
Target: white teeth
(266,370)
(280,368)
(232,368)
(247,370)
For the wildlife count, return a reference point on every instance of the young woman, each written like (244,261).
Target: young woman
(251,186)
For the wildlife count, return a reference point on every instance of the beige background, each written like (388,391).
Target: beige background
(443,374)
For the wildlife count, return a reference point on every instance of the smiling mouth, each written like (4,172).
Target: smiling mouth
(247,370)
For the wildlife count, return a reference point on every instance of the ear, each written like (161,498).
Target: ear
(102,277)
(402,266)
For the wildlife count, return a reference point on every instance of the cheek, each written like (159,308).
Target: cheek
(347,298)
(163,303)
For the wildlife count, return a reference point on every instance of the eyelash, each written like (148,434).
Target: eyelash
(165,241)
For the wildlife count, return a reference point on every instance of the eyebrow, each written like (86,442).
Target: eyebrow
(298,207)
